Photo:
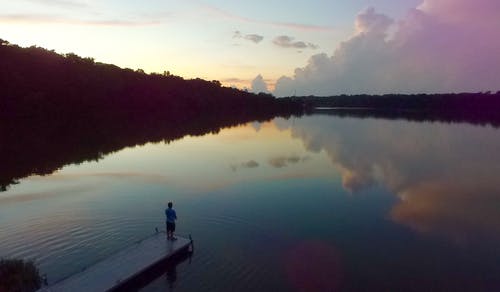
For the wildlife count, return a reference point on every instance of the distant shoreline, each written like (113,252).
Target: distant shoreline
(467,101)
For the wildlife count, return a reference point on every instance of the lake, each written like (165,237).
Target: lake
(312,203)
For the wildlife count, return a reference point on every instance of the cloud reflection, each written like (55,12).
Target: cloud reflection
(446,175)
(455,210)
(247,164)
(284,161)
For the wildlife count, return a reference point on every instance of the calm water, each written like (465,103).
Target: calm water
(317,203)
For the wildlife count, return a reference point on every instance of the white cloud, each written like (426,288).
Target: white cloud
(441,46)
(254,38)
(372,22)
(259,85)
(249,37)
(287,42)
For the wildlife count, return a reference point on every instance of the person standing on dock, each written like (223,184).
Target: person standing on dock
(171,217)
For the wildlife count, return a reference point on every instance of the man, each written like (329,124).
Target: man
(171,217)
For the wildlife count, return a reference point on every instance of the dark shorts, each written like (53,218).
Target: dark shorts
(170,226)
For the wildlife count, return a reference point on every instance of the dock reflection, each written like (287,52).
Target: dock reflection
(166,269)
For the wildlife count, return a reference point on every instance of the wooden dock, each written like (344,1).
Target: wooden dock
(114,272)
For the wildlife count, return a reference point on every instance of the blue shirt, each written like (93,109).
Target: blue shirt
(171,216)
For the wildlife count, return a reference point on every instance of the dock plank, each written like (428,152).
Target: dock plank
(122,266)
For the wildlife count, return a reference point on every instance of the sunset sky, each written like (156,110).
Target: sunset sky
(286,47)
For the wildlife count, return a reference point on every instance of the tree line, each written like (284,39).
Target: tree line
(476,108)
(36,81)
(457,102)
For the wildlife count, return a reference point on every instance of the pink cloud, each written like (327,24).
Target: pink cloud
(57,19)
(289,25)
(464,11)
(440,46)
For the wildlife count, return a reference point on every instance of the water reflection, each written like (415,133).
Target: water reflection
(369,189)
(445,175)
(42,146)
